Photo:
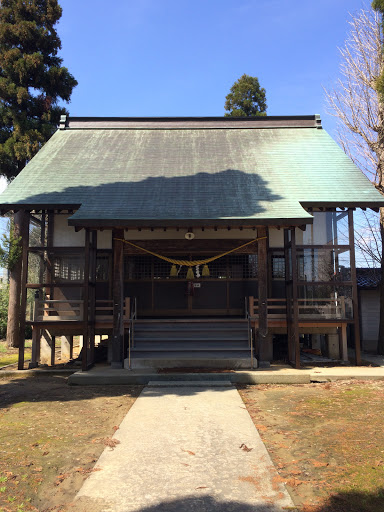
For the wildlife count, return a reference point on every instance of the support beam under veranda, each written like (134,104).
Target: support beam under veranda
(24,233)
(356,322)
(118,299)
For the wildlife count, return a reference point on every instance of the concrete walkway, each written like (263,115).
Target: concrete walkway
(188,446)
(102,375)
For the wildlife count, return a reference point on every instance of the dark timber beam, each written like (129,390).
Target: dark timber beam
(24,231)
(118,298)
(85,354)
(264,338)
(295,304)
(354,288)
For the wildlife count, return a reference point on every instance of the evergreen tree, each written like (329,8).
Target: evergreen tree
(246,99)
(32,80)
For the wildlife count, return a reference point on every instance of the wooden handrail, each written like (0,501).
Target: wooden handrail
(46,310)
(330,308)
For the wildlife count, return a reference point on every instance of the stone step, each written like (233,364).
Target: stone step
(183,347)
(190,328)
(187,339)
(189,383)
(190,354)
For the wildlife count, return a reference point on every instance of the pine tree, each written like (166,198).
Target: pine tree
(246,98)
(32,80)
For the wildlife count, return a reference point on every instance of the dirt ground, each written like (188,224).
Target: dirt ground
(326,440)
(51,435)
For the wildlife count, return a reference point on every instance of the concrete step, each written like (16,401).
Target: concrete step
(189,383)
(187,340)
(192,335)
(195,345)
(190,354)
(205,326)
(229,363)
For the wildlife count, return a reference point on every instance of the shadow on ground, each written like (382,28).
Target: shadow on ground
(187,504)
(14,390)
(49,388)
(352,501)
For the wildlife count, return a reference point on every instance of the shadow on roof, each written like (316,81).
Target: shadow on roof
(226,194)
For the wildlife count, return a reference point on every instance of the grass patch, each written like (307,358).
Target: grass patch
(11,355)
(326,440)
(51,435)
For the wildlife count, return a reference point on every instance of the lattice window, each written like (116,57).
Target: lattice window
(69,268)
(102,267)
(138,267)
(278,267)
(242,266)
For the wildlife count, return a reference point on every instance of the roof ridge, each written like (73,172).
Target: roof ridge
(209,122)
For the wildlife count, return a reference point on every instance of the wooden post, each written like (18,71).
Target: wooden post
(24,277)
(36,333)
(53,350)
(50,266)
(118,293)
(288,293)
(35,356)
(295,304)
(92,296)
(265,347)
(356,321)
(85,354)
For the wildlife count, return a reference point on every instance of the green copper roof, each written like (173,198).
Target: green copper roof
(120,171)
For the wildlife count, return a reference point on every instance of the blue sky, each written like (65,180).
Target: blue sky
(180,57)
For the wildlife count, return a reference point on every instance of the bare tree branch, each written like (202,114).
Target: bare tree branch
(355,103)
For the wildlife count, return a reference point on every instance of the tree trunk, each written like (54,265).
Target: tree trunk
(380,187)
(380,344)
(13,332)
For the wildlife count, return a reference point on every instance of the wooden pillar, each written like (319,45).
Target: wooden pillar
(24,232)
(343,343)
(288,292)
(292,296)
(356,321)
(85,349)
(92,296)
(265,348)
(295,304)
(35,356)
(118,298)
(50,266)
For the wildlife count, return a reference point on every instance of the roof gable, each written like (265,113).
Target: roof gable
(255,169)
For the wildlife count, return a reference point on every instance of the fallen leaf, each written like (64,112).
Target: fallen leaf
(189,451)
(245,448)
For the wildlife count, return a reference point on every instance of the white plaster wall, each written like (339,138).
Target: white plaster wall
(316,233)
(104,239)
(173,234)
(276,236)
(66,236)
